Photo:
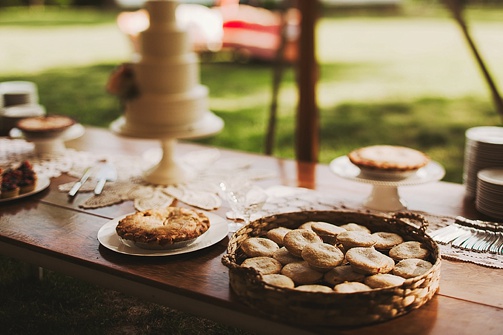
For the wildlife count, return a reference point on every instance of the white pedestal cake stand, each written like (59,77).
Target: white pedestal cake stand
(53,144)
(384,195)
(168,170)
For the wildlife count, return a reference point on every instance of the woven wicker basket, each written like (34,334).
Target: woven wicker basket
(330,309)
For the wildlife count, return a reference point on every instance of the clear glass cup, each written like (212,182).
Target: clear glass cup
(244,198)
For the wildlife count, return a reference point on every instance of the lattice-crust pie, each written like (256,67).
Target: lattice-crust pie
(163,228)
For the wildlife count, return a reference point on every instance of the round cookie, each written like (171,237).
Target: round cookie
(306,225)
(297,239)
(409,249)
(382,280)
(351,226)
(284,256)
(411,267)
(259,246)
(327,231)
(386,240)
(342,274)
(264,265)
(276,279)
(322,255)
(301,273)
(351,239)
(369,260)
(351,287)
(314,288)
(277,234)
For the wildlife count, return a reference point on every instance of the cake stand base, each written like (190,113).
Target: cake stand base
(55,146)
(168,170)
(385,198)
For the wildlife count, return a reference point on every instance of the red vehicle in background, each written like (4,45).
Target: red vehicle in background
(246,31)
(255,33)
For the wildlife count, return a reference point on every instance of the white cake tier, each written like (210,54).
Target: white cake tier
(169,43)
(161,12)
(172,110)
(167,76)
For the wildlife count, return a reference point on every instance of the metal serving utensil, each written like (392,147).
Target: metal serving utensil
(474,235)
(447,234)
(106,173)
(76,187)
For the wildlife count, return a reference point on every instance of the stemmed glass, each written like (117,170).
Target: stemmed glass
(245,198)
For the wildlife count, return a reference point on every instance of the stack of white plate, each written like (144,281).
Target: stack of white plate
(484,149)
(489,198)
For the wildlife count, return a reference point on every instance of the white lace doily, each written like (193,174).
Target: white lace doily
(14,151)
(201,192)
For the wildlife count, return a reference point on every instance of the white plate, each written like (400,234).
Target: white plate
(109,239)
(42,184)
(492,176)
(493,135)
(343,167)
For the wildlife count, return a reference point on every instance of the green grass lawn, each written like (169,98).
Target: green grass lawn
(401,79)
(407,80)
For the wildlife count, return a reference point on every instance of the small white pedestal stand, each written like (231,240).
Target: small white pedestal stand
(53,145)
(384,195)
(168,170)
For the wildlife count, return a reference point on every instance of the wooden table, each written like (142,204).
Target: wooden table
(48,230)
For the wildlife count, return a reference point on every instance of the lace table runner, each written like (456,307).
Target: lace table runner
(201,192)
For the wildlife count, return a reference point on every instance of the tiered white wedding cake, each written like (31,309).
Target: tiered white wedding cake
(170,103)
(171,99)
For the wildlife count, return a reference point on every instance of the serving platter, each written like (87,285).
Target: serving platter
(108,237)
(343,167)
(73,132)
(42,183)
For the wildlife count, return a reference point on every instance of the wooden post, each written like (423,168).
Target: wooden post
(307,119)
(278,69)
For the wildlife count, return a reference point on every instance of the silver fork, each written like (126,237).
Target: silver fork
(490,235)
(447,234)
(474,235)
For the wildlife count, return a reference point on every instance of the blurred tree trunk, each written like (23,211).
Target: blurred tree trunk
(109,4)
(36,3)
(278,69)
(307,120)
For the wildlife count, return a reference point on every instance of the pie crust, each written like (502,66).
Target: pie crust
(388,159)
(162,228)
(45,125)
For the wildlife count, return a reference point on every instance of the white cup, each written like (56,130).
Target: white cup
(18,93)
